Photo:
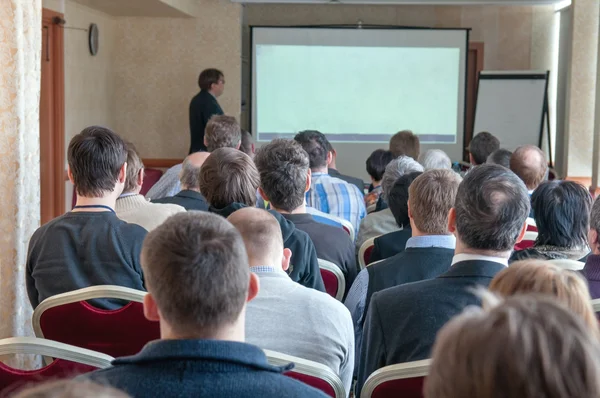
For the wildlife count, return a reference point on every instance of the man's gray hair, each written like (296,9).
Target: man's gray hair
(595,216)
(395,169)
(435,159)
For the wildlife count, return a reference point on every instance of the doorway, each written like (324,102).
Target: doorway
(475,65)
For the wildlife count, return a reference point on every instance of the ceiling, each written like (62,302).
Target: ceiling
(136,8)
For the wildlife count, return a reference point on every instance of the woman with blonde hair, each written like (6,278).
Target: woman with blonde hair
(543,277)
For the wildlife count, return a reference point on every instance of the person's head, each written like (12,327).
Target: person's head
(196,271)
(97,163)
(317,146)
(405,143)
(213,81)
(481,146)
(262,236)
(247,144)
(529,163)
(594,233)
(70,389)
(562,213)
(489,214)
(135,170)
(435,159)
(398,198)
(543,277)
(222,131)
(396,169)
(527,346)
(189,176)
(430,198)
(284,174)
(500,156)
(229,176)
(377,162)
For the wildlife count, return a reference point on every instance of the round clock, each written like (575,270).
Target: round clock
(93,39)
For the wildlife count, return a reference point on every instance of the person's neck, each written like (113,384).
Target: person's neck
(109,201)
(298,210)
(416,232)
(375,183)
(461,248)
(232,332)
(262,262)
(320,170)
(184,188)
(332,165)
(212,93)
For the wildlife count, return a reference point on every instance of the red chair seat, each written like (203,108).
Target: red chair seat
(405,388)
(151,177)
(312,381)
(330,281)
(367,255)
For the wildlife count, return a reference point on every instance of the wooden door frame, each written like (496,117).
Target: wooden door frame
(478,48)
(56,190)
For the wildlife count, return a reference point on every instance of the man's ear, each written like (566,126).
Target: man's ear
(70,175)
(287,256)
(263,194)
(253,286)
(409,212)
(140,178)
(253,148)
(239,144)
(123,173)
(329,157)
(150,308)
(452,221)
(471,160)
(205,144)
(592,238)
(308,181)
(522,233)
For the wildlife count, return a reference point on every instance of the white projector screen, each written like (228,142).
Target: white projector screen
(359,87)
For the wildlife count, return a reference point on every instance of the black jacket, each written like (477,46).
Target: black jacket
(360,184)
(202,107)
(190,200)
(390,244)
(403,321)
(304,265)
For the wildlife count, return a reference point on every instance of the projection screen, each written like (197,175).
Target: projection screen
(359,87)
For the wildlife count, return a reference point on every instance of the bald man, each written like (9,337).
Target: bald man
(189,179)
(529,163)
(286,316)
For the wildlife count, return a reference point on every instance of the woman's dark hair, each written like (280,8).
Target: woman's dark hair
(377,162)
(398,198)
(562,213)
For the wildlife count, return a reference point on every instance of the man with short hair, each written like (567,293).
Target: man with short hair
(199,282)
(327,193)
(133,207)
(500,156)
(285,316)
(481,146)
(204,105)
(333,171)
(376,164)
(488,218)
(529,163)
(189,197)
(89,245)
(435,159)
(405,143)
(284,179)
(428,252)
(222,131)
(229,181)
(591,270)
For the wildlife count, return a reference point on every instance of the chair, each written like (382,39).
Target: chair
(151,177)
(371,208)
(333,278)
(312,373)
(531,225)
(572,265)
(69,361)
(347,225)
(364,253)
(403,380)
(333,220)
(68,318)
(528,241)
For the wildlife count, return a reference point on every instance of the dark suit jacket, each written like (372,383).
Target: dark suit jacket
(190,200)
(203,106)
(389,245)
(403,321)
(350,180)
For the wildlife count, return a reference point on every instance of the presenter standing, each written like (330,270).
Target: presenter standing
(204,105)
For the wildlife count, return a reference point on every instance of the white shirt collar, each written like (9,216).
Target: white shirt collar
(466,257)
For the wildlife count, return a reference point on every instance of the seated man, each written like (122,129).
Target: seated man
(376,164)
(221,132)
(591,270)
(392,243)
(189,197)
(332,171)
(405,143)
(133,207)
(482,146)
(89,245)
(435,159)
(229,181)
(529,163)
(284,179)
(495,353)
(329,194)
(199,282)
(285,316)
(428,252)
(501,157)
(488,218)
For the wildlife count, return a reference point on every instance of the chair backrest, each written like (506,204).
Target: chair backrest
(333,278)
(364,253)
(69,361)
(312,373)
(528,241)
(564,263)
(68,318)
(347,225)
(371,208)
(403,380)
(151,177)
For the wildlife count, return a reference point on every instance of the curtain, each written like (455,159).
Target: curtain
(20,74)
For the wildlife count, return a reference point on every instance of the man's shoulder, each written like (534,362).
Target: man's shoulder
(166,208)
(409,292)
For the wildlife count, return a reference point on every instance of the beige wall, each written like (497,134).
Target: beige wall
(157,63)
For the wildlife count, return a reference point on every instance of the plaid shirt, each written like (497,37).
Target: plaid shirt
(334,196)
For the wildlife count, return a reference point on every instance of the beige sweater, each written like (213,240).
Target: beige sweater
(136,209)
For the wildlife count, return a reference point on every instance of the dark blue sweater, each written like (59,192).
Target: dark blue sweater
(201,368)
